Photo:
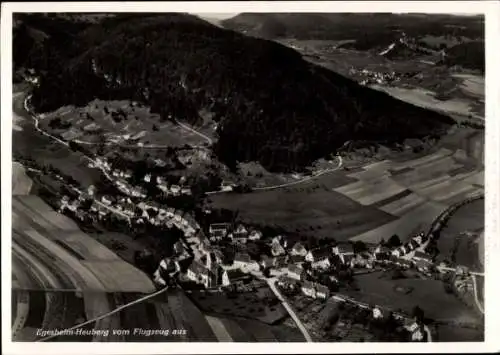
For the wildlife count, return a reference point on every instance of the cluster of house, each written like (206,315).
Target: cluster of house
(408,255)
(174,189)
(122,204)
(370,77)
(168,216)
(120,177)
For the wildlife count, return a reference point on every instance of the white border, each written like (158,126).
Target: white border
(489,8)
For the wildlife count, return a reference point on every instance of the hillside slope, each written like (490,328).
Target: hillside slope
(272,106)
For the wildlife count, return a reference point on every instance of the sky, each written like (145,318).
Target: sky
(217,15)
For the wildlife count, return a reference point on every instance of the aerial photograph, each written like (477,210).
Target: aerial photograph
(248,177)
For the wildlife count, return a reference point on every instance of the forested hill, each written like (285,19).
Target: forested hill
(354,26)
(272,106)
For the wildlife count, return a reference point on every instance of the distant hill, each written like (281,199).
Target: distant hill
(271,105)
(353,25)
(468,55)
(373,31)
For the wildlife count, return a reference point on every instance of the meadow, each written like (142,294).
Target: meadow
(377,289)
(118,121)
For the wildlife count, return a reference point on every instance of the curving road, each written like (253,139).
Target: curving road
(301,181)
(306,179)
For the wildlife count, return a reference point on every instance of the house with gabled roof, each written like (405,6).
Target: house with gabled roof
(277,249)
(345,251)
(198,273)
(308,289)
(255,235)
(318,255)
(239,235)
(218,230)
(322,291)
(298,249)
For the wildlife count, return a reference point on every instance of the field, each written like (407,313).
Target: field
(463,248)
(21,183)
(66,309)
(46,240)
(31,144)
(171,311)
(247,330)
(473,84)
(136,125)
(400,194)
(463,93)
(427,294)
(311,208)
(426,99)
(251,305)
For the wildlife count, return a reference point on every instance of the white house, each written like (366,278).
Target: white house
(377,313)
(308,289)
(255,235)
(106,200)
(322,292)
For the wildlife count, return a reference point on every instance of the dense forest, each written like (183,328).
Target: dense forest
(271,105)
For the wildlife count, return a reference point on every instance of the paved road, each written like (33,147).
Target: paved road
(476,297)
(274,187)
(308,178)
(473,273)
(272,284)
(183,125)
(110,313)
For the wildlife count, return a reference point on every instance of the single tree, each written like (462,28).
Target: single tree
(394,241)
